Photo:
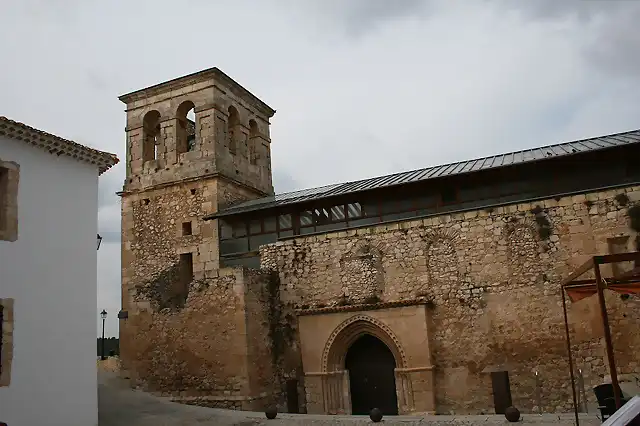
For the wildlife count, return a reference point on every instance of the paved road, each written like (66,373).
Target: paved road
(118,405)
(121,406)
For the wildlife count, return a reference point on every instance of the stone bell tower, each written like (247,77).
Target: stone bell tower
(229,137)
(194,145)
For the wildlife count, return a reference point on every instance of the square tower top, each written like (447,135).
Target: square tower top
(142,96)
(199,126)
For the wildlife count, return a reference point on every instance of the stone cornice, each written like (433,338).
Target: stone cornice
(362,307)
(187,180)
(56,145)
(198,77)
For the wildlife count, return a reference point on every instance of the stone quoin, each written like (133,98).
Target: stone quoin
(238,298)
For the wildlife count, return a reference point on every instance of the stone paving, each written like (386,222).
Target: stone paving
(121,406)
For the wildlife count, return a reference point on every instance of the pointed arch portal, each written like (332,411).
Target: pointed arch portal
(367,353)
(354,360)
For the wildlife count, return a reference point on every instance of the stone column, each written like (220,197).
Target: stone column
(328,392)
(134,149)
(333,391)
(415,390)
(167,149)
(205,129)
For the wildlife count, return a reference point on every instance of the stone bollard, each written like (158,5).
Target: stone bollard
(271,412)
(375,415)
(512,414)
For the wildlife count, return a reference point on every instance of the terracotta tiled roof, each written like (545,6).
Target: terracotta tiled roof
(56,145)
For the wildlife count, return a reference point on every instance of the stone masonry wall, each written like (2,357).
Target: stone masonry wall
(492,277)
(260,308)
(180,353)
(161,348)
(152,233)
(207,344)
(230,193)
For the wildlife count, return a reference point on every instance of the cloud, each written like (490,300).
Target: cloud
(582,10)
(284,182)
(609,41)
(361,88)
(110,183)
(358,18)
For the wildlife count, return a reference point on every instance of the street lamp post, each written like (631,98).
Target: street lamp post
(103,315)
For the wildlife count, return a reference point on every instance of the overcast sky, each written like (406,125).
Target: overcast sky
(361,87)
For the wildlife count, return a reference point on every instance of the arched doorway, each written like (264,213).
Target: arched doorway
(371,376)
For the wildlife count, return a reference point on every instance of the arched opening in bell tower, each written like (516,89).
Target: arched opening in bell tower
(233,131)
(150,135)
(186,127)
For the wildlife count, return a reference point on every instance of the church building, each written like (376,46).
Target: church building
(432,291)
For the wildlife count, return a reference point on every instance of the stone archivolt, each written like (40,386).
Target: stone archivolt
(349,331)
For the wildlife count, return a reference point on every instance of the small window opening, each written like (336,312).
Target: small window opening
(226,231)
(186,228)
(255,226)
(269,224)
(354,210)
(337,213)
(306,218)
(285,221)
(4,197)
(186,129)
(321,216)
(146,201)
(239,229)
(193,191)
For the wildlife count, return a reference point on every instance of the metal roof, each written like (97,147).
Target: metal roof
(462,167)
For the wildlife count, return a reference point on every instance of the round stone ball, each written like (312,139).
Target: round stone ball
(512,414)
(375,415)
(271,412)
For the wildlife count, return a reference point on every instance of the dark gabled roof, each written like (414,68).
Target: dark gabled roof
(462,167)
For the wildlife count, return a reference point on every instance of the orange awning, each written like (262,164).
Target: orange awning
(580,292)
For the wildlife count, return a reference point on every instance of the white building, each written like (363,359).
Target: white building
(48,229)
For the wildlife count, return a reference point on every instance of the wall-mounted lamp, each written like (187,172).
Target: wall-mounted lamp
(99,241)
